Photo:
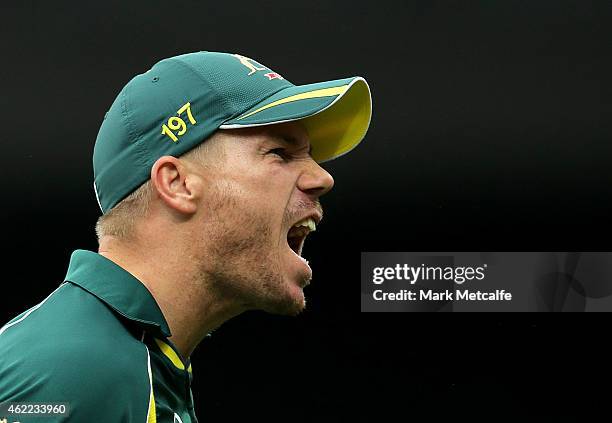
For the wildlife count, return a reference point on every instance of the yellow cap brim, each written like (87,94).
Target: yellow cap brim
(336,114)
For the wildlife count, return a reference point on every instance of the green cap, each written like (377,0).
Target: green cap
(182,100)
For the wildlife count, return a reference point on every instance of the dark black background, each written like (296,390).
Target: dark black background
(490,133)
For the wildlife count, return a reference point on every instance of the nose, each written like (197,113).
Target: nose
(315,180)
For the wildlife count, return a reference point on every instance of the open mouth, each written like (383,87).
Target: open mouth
(298,233)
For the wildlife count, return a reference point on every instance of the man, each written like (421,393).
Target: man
(192,234)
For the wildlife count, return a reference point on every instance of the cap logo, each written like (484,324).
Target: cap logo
(250,64)
(175,123)
(273,75)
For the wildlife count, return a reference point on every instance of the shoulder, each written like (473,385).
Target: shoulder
(73,349)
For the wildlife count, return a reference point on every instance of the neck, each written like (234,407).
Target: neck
(188,301)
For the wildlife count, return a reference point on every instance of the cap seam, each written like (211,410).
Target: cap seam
(124,112)
(131,129)
(192,70)
(139,147)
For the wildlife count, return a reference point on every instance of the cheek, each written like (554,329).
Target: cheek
(262,194)
(237,220)
(248,207)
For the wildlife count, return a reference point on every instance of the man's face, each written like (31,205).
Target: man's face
(265,184)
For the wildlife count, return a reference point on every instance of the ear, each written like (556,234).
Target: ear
(173,184)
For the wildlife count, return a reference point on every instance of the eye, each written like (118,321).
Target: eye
(278,152)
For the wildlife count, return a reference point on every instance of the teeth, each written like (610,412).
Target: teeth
(308,223)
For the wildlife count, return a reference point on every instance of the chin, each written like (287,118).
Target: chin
(289,303)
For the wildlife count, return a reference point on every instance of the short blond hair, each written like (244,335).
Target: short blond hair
(120,221)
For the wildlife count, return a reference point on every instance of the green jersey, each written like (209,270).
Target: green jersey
(98,344)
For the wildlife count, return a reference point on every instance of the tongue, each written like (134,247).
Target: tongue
(297,232)
(294,244)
